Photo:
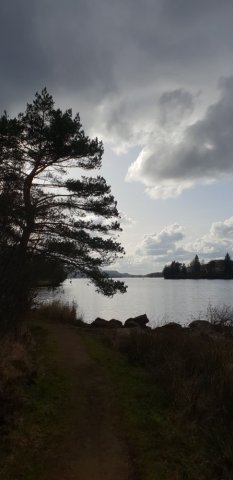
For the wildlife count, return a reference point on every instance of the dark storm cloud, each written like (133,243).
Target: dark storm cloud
(129,67)
(105,46)
(55,43)
(22,60)
(174,105)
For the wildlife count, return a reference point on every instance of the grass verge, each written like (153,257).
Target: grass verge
(165,444)
(29,447)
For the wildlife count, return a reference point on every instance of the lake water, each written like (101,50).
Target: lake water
(162,300)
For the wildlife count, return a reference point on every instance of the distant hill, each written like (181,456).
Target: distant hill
(116,274)
(154,275)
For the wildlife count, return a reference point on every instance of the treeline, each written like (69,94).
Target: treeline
(214,269)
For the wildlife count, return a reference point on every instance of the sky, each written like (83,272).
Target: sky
(153,79)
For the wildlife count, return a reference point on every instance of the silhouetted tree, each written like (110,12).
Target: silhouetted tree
(227,266)
(43,211)
(44,271)
(183,270)
(210,269)
(195,267)
(173,271)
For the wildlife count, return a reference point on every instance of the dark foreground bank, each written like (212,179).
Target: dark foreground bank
(161,398)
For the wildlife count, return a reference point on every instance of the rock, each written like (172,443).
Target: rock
(139,321)
(115,323)
(99,323)
(130,323)
(201,325)
(80,323)
(171,326)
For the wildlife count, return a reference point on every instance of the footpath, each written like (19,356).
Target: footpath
(93,447)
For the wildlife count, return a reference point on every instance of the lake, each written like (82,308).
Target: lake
(162,300)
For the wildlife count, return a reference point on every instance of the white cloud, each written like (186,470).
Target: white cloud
(223,229)
(175,159)
(167,190)
(162,243)
(156,250)
(126,220)
(217,242)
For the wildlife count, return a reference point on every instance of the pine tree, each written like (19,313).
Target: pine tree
(195,267)
(227,266)
(45,213)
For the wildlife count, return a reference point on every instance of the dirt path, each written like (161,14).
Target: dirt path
(93,447)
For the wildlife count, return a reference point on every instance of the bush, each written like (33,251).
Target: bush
(220,316)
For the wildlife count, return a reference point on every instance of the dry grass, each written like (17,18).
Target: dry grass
(195,370)
(17,369)
(220,316)
(58,312)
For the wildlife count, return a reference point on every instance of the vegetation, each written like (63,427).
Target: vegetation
(222,269)
(46,215)
(57,312)
(175,391)
(33,401)
(172,388)
(44,272)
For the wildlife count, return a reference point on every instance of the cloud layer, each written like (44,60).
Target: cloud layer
(162,243)
(201,152)
(139,71)
(169,244)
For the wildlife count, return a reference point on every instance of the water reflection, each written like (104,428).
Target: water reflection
(162,300)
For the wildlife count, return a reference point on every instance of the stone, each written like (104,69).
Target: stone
(115,323)
(171,326)
(200,325)
(130,323)
(139,321)
(99,323)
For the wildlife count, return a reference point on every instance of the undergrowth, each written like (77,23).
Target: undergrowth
(28,444)
(175,395)
(57,311)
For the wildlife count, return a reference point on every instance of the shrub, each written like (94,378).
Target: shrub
(220,316)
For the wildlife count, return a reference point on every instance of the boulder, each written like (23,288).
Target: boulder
(139,321)
(130,323)
(201,325)
(115,323)
(171,326)
(99,323)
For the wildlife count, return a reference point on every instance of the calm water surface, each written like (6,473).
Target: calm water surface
(162,300)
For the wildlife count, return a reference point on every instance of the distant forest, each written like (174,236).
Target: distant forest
(215,269)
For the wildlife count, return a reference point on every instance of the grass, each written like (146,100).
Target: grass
(29,445)
(173,390)
(193,369)
(57,311)
(170,437)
